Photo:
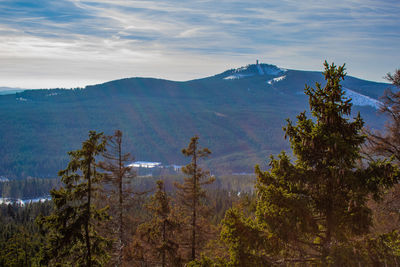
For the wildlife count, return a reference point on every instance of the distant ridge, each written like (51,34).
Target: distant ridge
(10,90)
(238,115)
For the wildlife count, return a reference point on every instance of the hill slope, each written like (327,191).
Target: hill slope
(238,114)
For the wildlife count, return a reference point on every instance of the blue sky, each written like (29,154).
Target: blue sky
(71,43)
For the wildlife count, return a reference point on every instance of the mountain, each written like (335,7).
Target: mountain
(9,90)
(238,115)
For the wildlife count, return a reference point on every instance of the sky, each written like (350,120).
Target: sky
(73,43)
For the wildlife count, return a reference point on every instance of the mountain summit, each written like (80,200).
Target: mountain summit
(238,114)
(253,70)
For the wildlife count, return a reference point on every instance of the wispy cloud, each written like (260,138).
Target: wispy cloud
(71,43)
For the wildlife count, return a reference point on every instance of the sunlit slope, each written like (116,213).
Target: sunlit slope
(238,114)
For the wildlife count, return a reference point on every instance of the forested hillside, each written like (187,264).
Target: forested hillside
(239,113)
(335,202)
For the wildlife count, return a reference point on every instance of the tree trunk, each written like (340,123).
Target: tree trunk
(120,249)
(164,237)
(26,251)
(328,237)
(88,255)
(194,205)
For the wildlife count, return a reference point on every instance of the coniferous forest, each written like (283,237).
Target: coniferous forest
(332,200)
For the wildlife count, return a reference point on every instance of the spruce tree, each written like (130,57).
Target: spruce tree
(118,191)
(72,238)
(158,237)
(191,195)
(311,209)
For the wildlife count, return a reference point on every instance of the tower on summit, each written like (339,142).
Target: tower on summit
(257,62)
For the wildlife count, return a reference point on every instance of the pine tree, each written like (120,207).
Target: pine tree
(72,238)
(18,251)
(310,210)
(118,175)
(157,237)
(191,194)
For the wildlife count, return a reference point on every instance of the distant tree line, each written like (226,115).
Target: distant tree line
(334,203)
(20,237)
(28,188)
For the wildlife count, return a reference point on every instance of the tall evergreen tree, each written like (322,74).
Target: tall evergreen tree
(158,237)
(72,238)
(309,210)
(191,194)
(119,175)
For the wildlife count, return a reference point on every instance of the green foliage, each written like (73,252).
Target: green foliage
(381,250)
(310,210)
(205,261)
(20,238)
(71,237)
(191,196)
(246,242)
(158,237)
(317,205)
(117,191)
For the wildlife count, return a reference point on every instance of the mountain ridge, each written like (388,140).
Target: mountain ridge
(239,119)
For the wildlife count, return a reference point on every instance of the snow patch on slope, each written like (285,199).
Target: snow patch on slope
(237,76)
(52,94)
(22,202)
(277,79)
(241,69)
(361,100)
(254,70)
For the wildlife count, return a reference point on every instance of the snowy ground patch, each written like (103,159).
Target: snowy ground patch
(144,164)
(362,100)
(52,94)
(254,70)
(22,202)
(237,76)
(277,79)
